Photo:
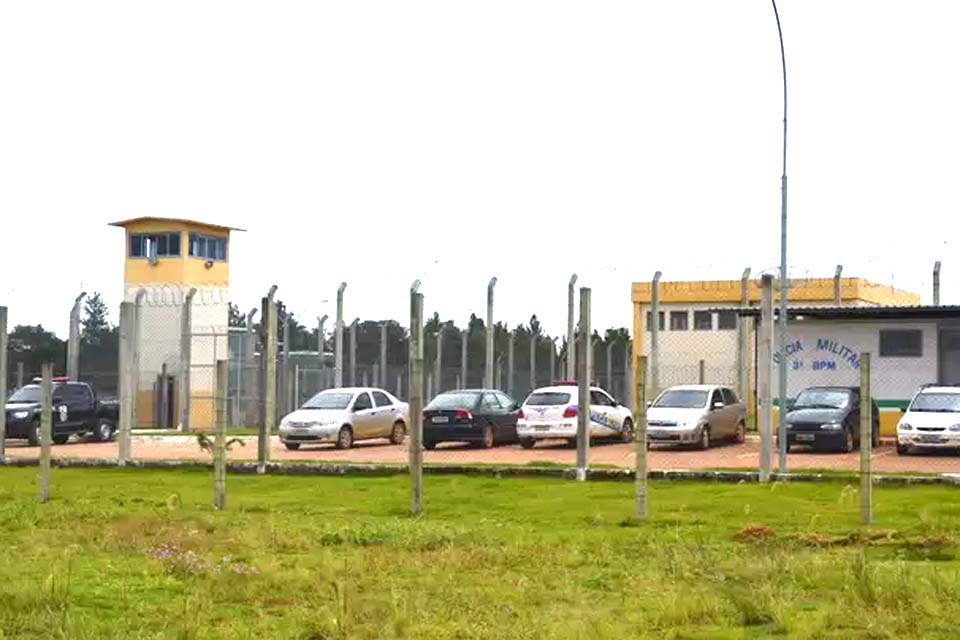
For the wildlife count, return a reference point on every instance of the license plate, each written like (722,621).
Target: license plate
(805,437)
(542,427)
(929,438)
(440,419)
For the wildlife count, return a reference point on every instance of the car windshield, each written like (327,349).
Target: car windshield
(329,400)
(26,394)
(822,399)
(937,403)
(682,399)
(548,399)
(457,400)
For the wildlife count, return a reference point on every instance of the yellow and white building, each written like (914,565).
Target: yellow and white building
(164,260)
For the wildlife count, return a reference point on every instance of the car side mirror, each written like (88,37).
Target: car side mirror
(718,405)
(649,403)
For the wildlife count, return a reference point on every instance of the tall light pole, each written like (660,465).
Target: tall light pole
(784,285)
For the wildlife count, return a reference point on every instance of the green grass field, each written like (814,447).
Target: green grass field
(139,554)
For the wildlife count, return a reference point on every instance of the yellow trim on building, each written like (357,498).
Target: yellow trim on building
(816,290)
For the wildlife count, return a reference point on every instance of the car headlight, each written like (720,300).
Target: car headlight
(831,426)
(905,427)
(20,415)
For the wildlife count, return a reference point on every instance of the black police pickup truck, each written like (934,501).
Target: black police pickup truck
(76,410)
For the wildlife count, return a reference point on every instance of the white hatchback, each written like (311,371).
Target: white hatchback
(932,421)
(343,416)
(550,413)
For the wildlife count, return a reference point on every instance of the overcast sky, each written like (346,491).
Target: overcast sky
(378,142)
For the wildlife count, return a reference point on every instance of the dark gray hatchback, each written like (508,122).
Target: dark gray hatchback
(829,418)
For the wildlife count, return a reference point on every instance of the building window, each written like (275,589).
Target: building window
(726,320)
(901,343)
(208,247)
(702,321)
(158,245)
(650,320)
(679,321)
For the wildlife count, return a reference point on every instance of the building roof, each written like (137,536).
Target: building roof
(805,290)
(131,221)
(916,312)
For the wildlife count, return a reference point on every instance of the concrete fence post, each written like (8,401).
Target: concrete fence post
(127,389)
(163,397)
(285,393)
(46,430)
(743,344)
(489,364)
(702,372)
(20,375)
(464,343)
(640,439)
(553,361)
(438,362)
(3,382)
(511,389)
(248,377)
(415,399)
(383,355)
(571,335)
(765,376)
(338,340)
(936,283)
(628,389)
(220,437)
(533,361)
(837,286)
(73,342)
(866,442)
(655,335)
(609,366)
(269,315)
(186,358)
(353,351)
(583,382)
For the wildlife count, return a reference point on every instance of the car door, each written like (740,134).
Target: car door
(80,404)
(718,417)
(852,419)
(385,412)
(364,421)
(733,408)
(489,412)
(508,421)
(602,423)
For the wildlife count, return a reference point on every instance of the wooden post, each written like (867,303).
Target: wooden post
(46,428)
(640,439)
(765,376)
(415,399)
(220,438)
(866,442)
(269,316)
(583,382)
(127,389)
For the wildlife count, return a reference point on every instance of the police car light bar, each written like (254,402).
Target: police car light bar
(38,379)
(564,383)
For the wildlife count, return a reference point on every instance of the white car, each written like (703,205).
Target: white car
(932,421)
(551,413)
(696,414)
(343,416)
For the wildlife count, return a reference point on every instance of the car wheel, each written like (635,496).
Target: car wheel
(626,433)
(345,438)
(740,435)
(902,449)
(429,445)
(848,442)
(704,443)
(104,432)
(398,433)
(528,443)
(292,446)
(33,436)
(61,439)
(572,442)
(489,440)
(875,440)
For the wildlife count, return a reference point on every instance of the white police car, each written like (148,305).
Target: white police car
(932,421)
(551,413)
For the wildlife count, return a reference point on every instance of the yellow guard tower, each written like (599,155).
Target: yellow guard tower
(170,263)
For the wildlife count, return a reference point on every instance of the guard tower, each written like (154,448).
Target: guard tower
(176,272)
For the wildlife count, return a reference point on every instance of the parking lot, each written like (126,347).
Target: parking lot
(744,456)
